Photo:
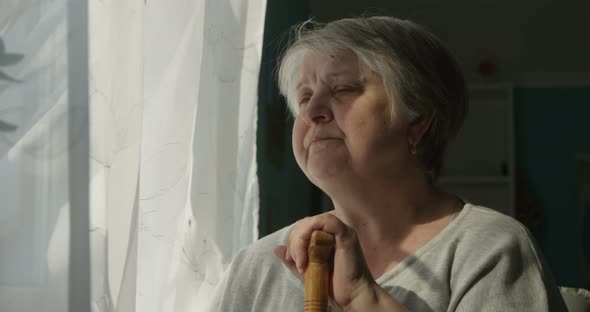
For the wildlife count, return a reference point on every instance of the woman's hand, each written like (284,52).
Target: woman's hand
(351,276)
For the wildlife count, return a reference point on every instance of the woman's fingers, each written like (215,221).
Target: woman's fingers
(300,235)
(281,253)
(296,248)
(350,270)
(288,257)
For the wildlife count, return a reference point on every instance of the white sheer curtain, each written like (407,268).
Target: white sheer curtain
(173,187)
(199,194)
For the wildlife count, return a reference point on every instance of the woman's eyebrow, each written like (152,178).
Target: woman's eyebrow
(332,76)
(341,75)
(300,84)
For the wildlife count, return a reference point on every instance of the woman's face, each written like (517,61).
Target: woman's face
(344,128)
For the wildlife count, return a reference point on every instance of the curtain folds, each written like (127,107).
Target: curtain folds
(172,160)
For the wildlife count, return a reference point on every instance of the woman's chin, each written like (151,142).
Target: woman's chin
(323,170)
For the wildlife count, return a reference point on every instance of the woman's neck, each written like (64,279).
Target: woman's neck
(384,216)
(385,203)
(392,219)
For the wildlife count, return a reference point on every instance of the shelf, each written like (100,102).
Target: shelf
(474,180)
(479,162)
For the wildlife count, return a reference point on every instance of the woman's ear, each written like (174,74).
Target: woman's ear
(418,128)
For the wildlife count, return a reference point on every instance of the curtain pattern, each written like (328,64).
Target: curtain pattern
(173,187)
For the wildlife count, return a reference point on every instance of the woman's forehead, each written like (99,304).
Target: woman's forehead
(329,66)
(338,61)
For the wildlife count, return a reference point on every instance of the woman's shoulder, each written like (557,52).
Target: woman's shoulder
(492,231)
(256,279)
(260,252)
(498,261)
(268,242)
(484,220)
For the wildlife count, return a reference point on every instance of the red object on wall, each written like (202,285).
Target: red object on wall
(487,68)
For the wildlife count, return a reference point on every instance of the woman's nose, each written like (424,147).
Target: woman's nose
(317,110)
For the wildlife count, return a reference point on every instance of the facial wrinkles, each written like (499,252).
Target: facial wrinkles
(327,71)
(318,85)
(319,78)
(355,115)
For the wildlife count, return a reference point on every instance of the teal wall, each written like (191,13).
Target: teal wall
(552,125)
(285,193)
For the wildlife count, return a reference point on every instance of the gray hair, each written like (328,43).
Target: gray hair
(419,73)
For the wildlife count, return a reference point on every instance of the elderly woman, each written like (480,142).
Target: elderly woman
(376,101)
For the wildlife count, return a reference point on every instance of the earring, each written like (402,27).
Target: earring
(413,149)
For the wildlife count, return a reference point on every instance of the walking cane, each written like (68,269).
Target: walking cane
(317,275)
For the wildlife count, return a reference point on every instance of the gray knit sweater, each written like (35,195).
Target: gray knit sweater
(482,261)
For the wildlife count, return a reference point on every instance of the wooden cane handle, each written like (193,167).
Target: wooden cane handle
(317,274)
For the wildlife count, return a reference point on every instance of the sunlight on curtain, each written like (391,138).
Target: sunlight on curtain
(199,191)
(116,111)
(173,186)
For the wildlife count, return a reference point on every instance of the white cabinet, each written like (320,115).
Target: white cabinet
(479,164)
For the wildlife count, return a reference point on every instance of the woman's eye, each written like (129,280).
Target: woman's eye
(303,101)
(344,90)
